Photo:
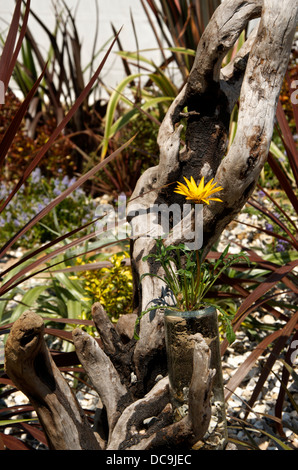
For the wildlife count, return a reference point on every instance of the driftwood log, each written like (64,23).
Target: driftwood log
(131,376)
(29,364)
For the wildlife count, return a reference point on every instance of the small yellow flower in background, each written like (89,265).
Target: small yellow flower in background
(198,194)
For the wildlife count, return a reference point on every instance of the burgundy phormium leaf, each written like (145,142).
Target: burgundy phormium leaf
(10,53)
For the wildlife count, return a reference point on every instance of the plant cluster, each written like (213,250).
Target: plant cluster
(24,146)
(190,280)
(35,260)
(111,286)
(121,175)
(74,211)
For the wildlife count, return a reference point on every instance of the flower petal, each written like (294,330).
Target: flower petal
(200,193)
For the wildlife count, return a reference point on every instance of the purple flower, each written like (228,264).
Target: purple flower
(46,201)
(3,193)
(268,226)
(36,176)
(57,191)
(39,207)
(282,245)
(65,180)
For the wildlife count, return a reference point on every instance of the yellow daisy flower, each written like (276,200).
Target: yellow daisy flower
(198,194)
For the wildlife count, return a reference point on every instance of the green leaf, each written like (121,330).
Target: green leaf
(10,422)
(136,336)
(152,102)
(230,335)
(222,256)
(183,50)
(122,121)
(29,299)
(132,114)
(164,84)
(281,257)
(273,437)
(111,109)
(74,309)
(134,56)
(74,287)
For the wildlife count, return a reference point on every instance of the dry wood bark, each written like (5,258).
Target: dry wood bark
(32,369)
(131,376)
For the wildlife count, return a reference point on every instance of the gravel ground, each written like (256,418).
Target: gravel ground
(264,407)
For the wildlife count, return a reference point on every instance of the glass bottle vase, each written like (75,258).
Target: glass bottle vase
(179,329)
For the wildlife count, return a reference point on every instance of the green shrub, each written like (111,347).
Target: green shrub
(111,286)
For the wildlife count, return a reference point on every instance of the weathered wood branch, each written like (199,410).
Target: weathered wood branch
(254,78)
(102,374)
(239,170)
(126,432)
(261,67)
(29,364)
(199,412)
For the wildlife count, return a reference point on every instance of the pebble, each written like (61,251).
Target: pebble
(19,398)
(88,400)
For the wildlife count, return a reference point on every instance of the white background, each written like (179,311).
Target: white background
(110,11)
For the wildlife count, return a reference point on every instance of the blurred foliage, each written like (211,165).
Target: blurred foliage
(23,148)
(122,174)
(287,90)
(181,24)
(35,195)
(21,270)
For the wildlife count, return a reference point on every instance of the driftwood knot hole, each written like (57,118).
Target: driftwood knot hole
(28,337)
